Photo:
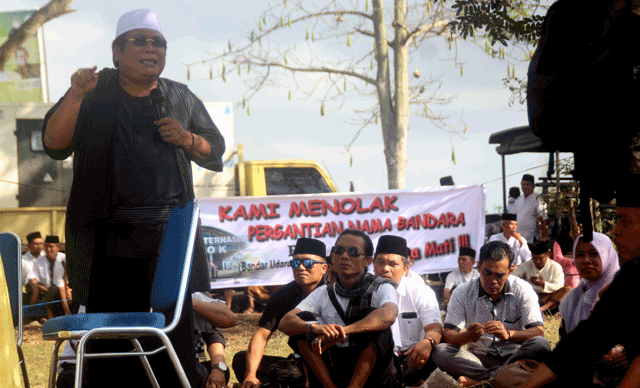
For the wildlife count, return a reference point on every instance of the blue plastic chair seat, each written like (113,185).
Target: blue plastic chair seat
(68,324)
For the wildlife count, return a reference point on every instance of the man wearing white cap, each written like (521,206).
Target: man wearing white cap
(132,164)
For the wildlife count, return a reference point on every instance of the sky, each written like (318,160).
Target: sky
(283,129)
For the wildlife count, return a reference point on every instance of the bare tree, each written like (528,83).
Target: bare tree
(52,10)
(380,42)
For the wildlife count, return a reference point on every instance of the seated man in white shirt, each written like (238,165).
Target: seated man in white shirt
(545,276)
(35,249)
(464,273)
(418,328)
(48,281)
(350,319)
(515,240)
(496,316)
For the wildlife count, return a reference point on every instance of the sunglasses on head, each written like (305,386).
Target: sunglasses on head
(308,263)
(156,42)
(351,251)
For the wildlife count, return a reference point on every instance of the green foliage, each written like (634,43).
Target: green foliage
(501,21)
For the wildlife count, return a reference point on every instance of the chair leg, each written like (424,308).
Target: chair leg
(174,359)
(145,363)
(80,350)
(23,365)
(54,363)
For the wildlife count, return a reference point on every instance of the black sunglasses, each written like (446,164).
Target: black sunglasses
(156,42)
(308,263)
(351,251)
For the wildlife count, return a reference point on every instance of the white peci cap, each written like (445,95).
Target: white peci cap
(140,18)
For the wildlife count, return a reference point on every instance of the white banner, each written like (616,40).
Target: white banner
(249,240)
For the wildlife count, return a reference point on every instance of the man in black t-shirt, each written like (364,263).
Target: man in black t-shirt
(308,266)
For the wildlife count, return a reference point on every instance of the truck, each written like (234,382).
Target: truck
(34,189)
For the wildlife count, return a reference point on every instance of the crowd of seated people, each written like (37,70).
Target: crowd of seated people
(384,329)
(44,275)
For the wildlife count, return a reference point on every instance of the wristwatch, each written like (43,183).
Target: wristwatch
(221,366)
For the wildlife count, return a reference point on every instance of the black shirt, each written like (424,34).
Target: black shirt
(145,167)
(285,299)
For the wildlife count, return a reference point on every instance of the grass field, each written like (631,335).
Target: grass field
(37,352)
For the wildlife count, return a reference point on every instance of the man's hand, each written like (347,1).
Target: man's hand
(327,336)
(216,379)
(616,355)
(537,281)
(249,382)
(475,331)
(330,331)
(419,354)
(496,328)
(172,132)
(82,81)
(322,343)
(520,239)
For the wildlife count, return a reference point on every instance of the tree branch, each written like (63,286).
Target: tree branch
(51,10)
(321,69)
(440,24)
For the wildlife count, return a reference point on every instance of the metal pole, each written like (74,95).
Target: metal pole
(504,186)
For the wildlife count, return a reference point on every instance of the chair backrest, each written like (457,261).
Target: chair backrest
(11,253)
(174,261)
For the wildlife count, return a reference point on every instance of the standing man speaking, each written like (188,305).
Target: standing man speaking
(133,136)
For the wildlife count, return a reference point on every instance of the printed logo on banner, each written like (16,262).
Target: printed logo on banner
(225,252)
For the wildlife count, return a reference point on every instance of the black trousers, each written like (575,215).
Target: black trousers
(121,280)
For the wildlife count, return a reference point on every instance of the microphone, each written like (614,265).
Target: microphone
(157,100)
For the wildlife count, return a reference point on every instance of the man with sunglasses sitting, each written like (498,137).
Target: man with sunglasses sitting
(349,321)
(497,316)
(309,267)
(418,328)
(132,159)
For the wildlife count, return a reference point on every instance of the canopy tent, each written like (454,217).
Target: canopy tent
(514,141)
